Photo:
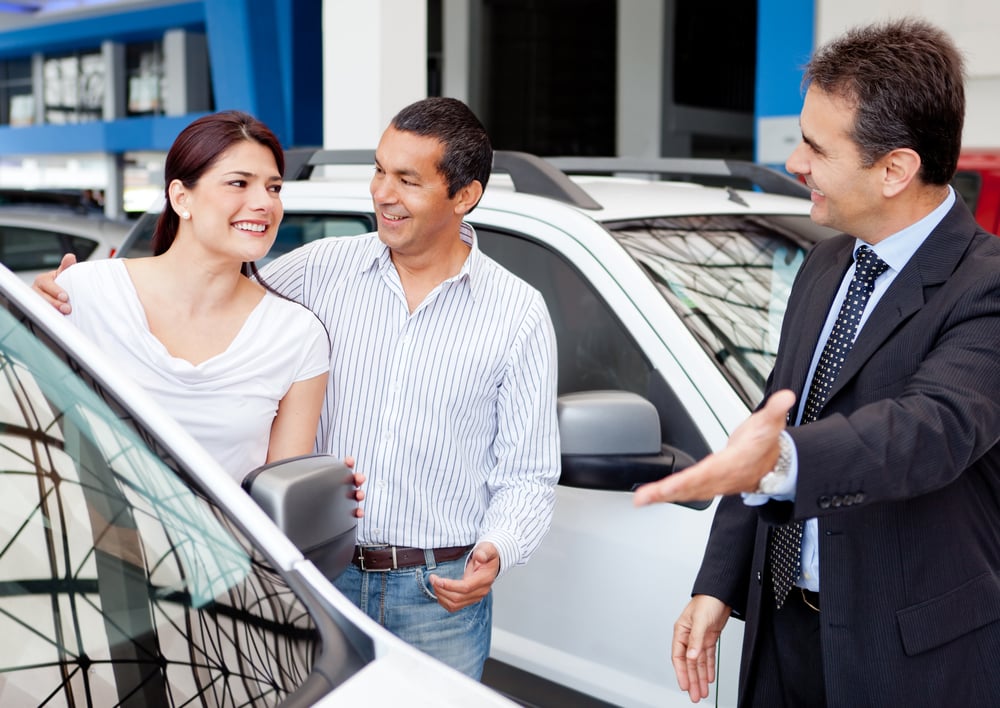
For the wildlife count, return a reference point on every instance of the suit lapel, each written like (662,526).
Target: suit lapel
(808,314)
(931,265)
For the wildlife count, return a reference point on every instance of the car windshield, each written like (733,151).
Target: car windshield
(728,279)
(119,584)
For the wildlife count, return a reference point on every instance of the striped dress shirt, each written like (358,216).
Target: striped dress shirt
(450,411)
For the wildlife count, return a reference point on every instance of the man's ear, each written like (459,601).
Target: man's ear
(468,196)
(901,167)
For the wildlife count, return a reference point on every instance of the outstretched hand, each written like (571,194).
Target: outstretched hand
(752,452)
(45,285)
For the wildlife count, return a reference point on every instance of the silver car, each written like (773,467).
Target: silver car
(33,238)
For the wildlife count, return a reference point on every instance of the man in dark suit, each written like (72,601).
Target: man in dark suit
(860,535)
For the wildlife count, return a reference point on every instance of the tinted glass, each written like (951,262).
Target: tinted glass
(594,348)
(295,230)
(728,278)
(968,185)
(24,248)
(119,584)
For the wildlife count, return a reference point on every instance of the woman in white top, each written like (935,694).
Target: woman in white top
(241,368)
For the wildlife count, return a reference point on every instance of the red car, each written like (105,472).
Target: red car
(978,182)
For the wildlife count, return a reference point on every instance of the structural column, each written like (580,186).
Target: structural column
(374,63)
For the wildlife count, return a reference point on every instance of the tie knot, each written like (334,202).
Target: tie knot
(868,265)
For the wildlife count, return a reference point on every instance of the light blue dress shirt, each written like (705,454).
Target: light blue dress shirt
(896,251)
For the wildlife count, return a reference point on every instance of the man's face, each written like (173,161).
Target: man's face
(846,196)
(410,195)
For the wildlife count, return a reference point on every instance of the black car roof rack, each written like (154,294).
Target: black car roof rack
(299,162)
(767,179)
(529,173)
(547,177)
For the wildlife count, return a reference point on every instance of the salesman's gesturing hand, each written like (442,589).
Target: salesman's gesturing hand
(751,452)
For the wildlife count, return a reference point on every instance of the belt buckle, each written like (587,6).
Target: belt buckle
(361,557)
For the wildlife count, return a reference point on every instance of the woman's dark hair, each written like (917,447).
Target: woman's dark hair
(196,149)
(468,153)
(906,81)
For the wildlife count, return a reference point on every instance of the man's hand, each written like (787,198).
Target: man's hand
(480,572)
(359,481)
(45,285)
(752,452)
(696,633)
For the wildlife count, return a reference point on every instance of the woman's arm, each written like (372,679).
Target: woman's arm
(293,431)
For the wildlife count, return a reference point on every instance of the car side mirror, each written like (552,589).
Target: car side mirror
(611,440)
(311,499)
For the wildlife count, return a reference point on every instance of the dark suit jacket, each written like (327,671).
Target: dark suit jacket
(902,471)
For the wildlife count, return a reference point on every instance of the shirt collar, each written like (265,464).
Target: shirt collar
(896,250)
(377,256)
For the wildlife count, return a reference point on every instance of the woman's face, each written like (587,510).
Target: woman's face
(235,208)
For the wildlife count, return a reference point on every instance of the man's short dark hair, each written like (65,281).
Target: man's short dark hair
(905,79)
(468,154)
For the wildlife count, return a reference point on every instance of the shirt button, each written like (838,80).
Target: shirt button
(380,483)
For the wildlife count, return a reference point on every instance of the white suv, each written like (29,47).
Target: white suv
(667,298)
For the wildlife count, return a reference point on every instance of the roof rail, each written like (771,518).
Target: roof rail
(299,162)
(766,178)
(547,177)
(530,174)
(533,175)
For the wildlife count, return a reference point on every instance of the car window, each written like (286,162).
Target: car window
(119,584)
(594,348)
(295,230)
(728,278)
(596,351)
(25,248)
(298,229)
(968,184)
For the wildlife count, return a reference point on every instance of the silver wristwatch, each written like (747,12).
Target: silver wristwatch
(774,480)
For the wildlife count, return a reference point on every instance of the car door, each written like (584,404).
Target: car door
(592,612)
(133,570)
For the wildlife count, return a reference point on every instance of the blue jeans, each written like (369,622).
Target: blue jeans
(403,602)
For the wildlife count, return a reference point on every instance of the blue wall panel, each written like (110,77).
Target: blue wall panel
(129,25)
(265,58)
(785,39)
(98,136)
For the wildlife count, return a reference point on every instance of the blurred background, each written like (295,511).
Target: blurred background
(92,92)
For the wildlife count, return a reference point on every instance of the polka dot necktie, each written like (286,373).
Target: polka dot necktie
(786,540)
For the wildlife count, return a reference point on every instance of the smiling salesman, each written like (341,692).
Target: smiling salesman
(860,534)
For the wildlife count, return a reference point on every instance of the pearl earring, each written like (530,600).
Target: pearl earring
(185,215)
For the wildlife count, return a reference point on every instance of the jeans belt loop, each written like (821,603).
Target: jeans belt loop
(429,560)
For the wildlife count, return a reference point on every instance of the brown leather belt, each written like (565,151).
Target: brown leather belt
(385,558)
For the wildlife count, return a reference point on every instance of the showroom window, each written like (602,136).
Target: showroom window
(144,77)
(74,87)
(17,101)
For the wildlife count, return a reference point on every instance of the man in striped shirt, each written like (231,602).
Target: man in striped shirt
(442,386)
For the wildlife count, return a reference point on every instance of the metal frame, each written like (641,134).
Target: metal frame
(548,177)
